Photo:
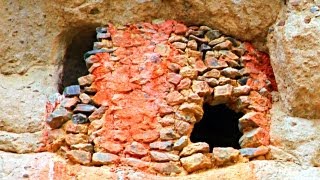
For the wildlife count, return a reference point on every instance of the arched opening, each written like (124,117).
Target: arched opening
(218,127)
(74,65)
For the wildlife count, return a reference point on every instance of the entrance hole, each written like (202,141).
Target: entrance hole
(74,65)
(218,127)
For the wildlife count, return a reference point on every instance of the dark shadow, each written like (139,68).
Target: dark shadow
(218,127)
(73,64)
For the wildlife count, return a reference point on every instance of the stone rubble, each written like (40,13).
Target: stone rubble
(145,90)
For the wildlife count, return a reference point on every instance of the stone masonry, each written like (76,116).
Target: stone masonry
(145,90)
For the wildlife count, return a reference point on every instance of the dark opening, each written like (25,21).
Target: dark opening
(74,65)
(218,127)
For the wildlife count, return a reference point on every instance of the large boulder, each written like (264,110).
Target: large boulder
(294,46)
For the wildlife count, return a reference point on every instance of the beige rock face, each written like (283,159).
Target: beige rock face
(294,49)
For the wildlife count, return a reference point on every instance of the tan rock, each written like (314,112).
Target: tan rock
(86,80)
(214,73)
(181,143)
(195,162)
(70,127)
(194,108)
(254,138)
(100,158)
(72,139)
(221,94)
(188,72)
(83,147)
(79,156)
(163,156)
(200,87)
(175,98)
(200,147)
(294,57)
(225,156)
(182,127)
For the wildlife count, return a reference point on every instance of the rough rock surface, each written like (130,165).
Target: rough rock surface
(57,22)
(294,49)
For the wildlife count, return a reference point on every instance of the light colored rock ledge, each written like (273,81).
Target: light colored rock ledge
(48,166)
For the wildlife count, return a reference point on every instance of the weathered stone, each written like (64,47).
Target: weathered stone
(181,143)
(213,82)
(146,136)
(200,66)
(254,152)
(213,63)
(230,72)
(55,139)
(182,127)
(200,87)
(168,134)
(253,120)
(228,55)
(225,156)
(95,125)
(72,139)
(254,138)
(224,80)
(167,120)
(179,45)
(86,80)
(217,41)
(221,94)
(188,72)
(212,34)
(175,98)
(79,118)
(163,156)
(69,103)
(162,145)
(101,36)
(169,168)
(73,90)
(192,44)
(71,127)
(101,145)
(226,45)
(212,74)
(98,113)
(195,162)
(204,48)
(100,158)
(199,147)
(193,53)
(83,147)
(185,116)
(174,78)
(194,108)
(136,149)
(241,90)
(84,108)
(176,38)
(137,163)
(79,156)
(85,98)
(58,117)
(185,83)
(242,102)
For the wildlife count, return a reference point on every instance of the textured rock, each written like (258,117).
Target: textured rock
(79,156)
(294,51)
(136,149)
(225,156)
(162,145)
(163,156)
(195,162)
(181,143)
(104,158)
(70,127)
(193,148)
(58,117)
(72,139)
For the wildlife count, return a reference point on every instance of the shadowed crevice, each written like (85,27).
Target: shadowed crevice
(218,127)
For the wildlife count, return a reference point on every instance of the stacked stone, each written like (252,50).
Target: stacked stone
(175,71)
